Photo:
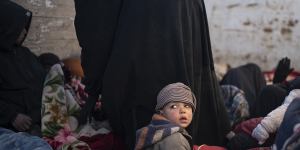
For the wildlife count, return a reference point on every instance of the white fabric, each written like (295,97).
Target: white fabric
(272,121)
(94,128)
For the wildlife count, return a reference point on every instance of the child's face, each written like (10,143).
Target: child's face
(178,113)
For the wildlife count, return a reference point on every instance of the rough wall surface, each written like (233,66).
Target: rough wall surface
(52,28)
(260,31)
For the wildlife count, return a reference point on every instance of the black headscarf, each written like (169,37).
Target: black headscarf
(48,60)
(248,78)
(14,18)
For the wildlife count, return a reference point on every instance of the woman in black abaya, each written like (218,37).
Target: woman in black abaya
(133,48)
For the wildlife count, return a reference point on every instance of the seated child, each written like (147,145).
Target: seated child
(175,106)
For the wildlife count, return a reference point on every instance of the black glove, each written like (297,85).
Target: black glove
(282,70)
(87,109)
(22,122)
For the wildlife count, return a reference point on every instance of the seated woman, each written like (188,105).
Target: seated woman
(249,79)
(22,75)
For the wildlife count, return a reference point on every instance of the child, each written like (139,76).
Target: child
(175,106)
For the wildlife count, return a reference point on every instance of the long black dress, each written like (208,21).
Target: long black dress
(131,49)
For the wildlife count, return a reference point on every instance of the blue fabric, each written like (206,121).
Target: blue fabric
(21,141)
(287,134)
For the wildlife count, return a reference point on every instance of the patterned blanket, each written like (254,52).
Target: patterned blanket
(61,103)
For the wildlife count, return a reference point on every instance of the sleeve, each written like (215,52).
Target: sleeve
(7,113)
(95,24)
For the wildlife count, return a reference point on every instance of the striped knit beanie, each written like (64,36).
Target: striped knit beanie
(175,92)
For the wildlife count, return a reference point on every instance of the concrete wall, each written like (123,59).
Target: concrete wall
(52,28)
(260,31)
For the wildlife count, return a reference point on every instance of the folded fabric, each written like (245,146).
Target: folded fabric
(247,126)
